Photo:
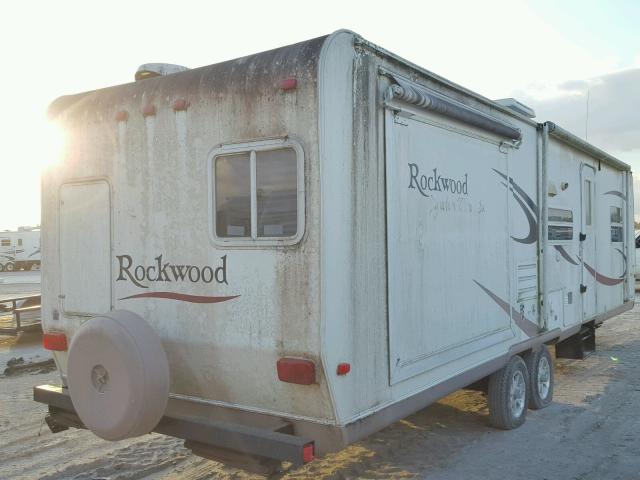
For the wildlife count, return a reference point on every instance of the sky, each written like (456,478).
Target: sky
(550,55)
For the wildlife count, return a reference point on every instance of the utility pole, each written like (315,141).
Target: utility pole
(586,126)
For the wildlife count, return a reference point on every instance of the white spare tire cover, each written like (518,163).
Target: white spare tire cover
(118,375)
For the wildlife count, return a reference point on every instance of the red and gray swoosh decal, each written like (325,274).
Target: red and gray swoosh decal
(616,193)
(182,297)
(527,205)
(600,278)
(624,258)
(565,255)
(526,325)
(603,279)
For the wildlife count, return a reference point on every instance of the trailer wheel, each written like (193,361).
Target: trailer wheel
(118,375)
(508,394)
(9,267)
(540,368)
(1,267)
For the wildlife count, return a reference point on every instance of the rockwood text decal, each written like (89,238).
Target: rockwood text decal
(167,272)
(434,182)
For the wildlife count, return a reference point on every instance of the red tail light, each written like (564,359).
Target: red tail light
(308,453)
(296,370)
(56,341)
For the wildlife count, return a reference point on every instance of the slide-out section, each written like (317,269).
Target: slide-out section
(447,228)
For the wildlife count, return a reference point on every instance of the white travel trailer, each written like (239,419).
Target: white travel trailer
(275,256)
(19,249)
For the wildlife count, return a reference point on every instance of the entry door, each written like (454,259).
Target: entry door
(588,242)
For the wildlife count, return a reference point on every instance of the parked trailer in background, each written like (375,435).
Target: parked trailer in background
(275,256)
(19,249)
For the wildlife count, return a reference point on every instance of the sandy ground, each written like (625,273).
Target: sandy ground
(591,431)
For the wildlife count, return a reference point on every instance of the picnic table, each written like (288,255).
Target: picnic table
(29,303)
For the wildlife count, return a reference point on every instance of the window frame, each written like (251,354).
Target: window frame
(251,148)
(561,223)
(613,225)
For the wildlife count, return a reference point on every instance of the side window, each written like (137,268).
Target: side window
(258,193)
(616,224)
(587,201)
(560,224)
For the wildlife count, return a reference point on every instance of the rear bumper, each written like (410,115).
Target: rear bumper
(274,444)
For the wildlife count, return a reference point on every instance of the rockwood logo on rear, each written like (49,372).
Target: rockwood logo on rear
(162,271)
(167,272)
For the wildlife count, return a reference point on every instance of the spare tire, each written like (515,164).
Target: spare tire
(118,375)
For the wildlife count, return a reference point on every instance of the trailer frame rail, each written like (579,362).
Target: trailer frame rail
(256,442)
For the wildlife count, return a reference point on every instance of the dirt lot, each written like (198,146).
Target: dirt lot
(590,432)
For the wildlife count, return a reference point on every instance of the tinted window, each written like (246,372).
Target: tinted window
(256,194)
(560,232)
(616,215)
(277,193)
(233,195)
(560,215)
(616,234)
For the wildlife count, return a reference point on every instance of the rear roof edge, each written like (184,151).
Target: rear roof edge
(584,146)
(193,78)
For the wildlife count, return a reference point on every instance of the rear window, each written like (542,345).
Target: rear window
(276,193)
(233,195)
(258,193)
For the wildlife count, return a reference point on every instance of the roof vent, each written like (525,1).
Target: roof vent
(516,106)
(149,70)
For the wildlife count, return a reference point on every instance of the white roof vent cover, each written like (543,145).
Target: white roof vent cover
(149,70)
(517,106)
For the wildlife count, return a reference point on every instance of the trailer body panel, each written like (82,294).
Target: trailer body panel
(369,213)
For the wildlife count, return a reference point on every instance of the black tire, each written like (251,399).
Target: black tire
(9,267)
(1,267)
(508,395)
(541,380)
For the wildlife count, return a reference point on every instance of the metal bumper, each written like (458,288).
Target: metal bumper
(228,437)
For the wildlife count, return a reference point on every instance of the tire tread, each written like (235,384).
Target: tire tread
(498,395)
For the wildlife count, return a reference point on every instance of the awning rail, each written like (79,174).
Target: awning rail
(427,99)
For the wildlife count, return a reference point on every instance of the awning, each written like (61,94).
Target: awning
(427,99)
